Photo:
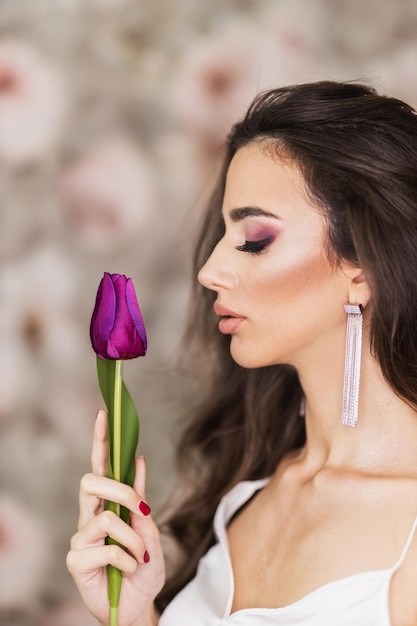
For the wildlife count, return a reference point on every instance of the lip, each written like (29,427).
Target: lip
(221,311)
(230,321)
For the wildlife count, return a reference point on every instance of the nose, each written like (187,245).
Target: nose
(217,273)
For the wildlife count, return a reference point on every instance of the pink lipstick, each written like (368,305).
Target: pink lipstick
(230,321)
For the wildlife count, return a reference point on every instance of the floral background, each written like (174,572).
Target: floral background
(112,117)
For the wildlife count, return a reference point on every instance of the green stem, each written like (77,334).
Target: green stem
(117,436)
(115,577)
(114,616)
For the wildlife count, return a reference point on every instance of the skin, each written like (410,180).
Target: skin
(290,296)
(89,555)
(327,503)
(348,498)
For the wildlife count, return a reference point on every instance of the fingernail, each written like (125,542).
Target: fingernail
(146,557)
(144,508)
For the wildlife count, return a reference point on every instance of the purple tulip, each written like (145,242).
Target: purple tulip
(117,330)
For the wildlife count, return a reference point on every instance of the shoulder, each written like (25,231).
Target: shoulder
(403,590)
(403,586)
(237,497)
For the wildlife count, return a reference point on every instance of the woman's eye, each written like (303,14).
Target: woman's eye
(254,247)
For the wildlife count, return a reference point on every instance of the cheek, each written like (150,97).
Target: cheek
(295,279)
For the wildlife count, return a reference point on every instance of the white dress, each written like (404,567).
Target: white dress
(358,600)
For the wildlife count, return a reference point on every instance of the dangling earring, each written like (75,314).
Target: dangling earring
(352,364)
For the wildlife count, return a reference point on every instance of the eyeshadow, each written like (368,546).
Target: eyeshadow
(256,230)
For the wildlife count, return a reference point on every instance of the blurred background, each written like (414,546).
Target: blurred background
(112,118)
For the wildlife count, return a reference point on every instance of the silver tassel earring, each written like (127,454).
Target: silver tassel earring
(352,365)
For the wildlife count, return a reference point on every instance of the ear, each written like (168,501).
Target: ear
(358,287)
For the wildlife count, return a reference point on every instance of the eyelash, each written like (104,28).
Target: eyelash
(254,247)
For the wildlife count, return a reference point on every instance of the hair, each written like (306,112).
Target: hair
(357,152)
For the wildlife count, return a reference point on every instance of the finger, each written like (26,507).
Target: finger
(100,451)
(144,525)
(108,524)
(92,506)
(96,489)
(92,559)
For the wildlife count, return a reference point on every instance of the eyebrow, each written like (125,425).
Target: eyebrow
(236,215)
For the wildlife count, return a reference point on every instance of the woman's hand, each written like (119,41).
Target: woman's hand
(142,563)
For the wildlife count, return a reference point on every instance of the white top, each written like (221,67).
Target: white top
(359,600)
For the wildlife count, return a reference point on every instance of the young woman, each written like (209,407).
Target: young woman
(307,312)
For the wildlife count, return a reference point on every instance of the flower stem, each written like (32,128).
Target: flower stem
(114,616)
(117,438)
(115,576)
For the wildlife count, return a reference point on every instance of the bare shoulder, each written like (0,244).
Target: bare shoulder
(403,589)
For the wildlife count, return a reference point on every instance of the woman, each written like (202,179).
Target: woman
(307,262)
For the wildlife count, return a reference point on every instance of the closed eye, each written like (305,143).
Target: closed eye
(255,247)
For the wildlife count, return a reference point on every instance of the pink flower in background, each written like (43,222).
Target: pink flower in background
(33,104)
(299,26)
(218,77)
(38,294)
(109,195)
(216,80)
(24,554)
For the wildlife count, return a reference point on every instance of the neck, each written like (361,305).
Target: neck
(386,424)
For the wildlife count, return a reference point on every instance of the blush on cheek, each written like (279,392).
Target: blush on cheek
(296,278)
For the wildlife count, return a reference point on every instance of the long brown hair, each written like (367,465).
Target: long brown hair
(357,151)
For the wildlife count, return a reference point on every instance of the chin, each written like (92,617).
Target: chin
(248,358)
(251,355)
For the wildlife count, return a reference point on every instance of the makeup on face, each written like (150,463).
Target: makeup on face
(261,228)
(286,273)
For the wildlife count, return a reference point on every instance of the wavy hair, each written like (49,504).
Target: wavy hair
(357,152)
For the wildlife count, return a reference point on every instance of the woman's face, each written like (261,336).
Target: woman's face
(278,295)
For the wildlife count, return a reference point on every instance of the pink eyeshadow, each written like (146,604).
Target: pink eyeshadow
(257,231)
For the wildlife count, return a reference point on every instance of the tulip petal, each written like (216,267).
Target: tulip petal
(117,329)
(135,313)
(104,315)
(120,341)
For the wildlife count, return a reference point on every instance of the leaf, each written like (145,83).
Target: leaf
(130,424)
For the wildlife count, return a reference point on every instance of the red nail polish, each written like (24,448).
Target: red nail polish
(144,508)
(146,557)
